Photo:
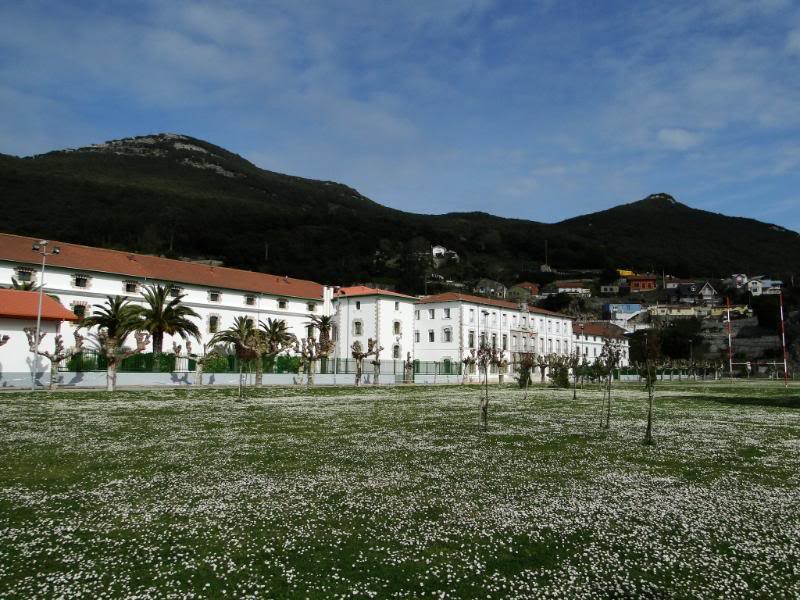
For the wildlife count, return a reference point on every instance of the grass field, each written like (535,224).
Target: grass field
(396,492)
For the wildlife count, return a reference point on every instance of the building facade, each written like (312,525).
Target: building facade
(362,313)
(448,326)
(82,277)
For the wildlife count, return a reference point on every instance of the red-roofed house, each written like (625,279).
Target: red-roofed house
(18,310)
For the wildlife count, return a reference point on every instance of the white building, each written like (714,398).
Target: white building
(590,336)
(764,285)
(82,276)
(19,310)
(447,326)
(363,313)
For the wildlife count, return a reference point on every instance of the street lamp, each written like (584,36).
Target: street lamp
(41,248)
(691,360)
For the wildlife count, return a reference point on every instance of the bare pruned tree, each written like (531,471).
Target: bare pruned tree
(609,360)
(60,352)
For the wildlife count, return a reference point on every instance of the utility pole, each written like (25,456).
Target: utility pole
(41,248)
(783,342)
(730,337)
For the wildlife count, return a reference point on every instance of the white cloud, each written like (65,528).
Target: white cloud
(678,139)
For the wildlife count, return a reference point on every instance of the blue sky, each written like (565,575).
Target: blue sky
(537,110)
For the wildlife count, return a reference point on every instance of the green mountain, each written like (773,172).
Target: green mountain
(179,196)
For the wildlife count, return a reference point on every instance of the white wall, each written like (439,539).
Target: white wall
(16,359)
(377,315)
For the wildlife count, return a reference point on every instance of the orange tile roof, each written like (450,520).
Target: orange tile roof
(363,290)
(17,304)
(86,258)
(456,297)
(599,328)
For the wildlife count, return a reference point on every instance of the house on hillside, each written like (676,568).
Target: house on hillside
(695,293)
(762,285)
(19,310)
(523,292)
(573,288)
(642,283)
(490,288)
(442,255)
(737,280)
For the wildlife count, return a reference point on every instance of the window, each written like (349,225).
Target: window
(397,306)
(131,287)
(431,337)
(448,335)
(213,324)
(416,337)
(494,340)
(175,291)
(79,309)
(494,318)
(541,346)
(310,331)
(358,328)
(483,338)
(334,333)
(416,315)
(396,328)
(311,306)
(80,281)
(558,346)
(214,296)
(471,315)
(550,346)
(281,303)
(250,322)
(358,304)
(549,325)
(446,313)
(505,342)
(396,352)
(513,342)
(471,337)
(250,300)
(432,313)
(24,274)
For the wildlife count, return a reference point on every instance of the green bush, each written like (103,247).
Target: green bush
(559,375)
(217,363)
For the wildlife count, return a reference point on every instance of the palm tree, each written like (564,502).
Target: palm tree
(166,314)
(323,324)
(25,286)
(247,342)
(115,321)
(277,336)
(324,344)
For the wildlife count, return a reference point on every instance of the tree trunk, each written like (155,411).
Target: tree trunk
(198,373)
(53,374)
(648,434)
(240,379)
(259,377)
(111,375)
(158,341)
(311,372)
(376,373)
(608,413)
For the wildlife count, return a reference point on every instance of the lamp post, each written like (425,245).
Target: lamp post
(691,359)
(41,248)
